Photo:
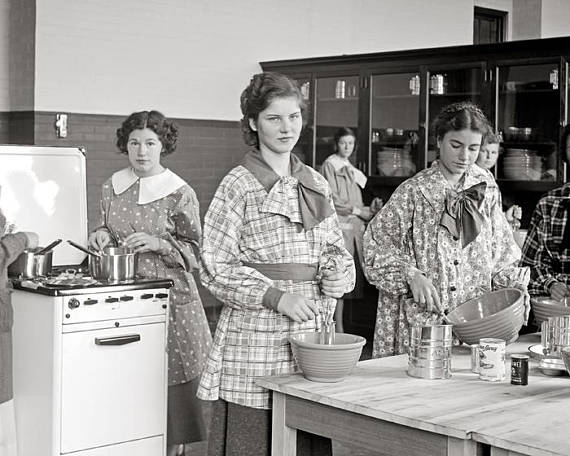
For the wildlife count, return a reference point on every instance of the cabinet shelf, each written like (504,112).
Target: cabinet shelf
(522,91)
(527,186)
(337,100)
(388,181)
(528,144)
(454,94)
(392,97)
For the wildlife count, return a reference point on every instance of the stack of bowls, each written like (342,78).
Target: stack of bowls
(393,161)
(522,164)
(326,362)
(545,307)
(430,352)
(497,314)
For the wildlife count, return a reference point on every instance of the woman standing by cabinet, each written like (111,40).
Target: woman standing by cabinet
(442,238)
(150,209)
(347,183)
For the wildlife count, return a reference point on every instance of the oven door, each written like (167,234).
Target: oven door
(114,384)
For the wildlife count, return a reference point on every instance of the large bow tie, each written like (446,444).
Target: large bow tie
(313,203)
(461,216)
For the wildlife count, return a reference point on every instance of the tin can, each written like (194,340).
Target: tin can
(475,358)
(492,359)
(519,369)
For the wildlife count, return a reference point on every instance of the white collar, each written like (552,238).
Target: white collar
(151,188)
(339,162)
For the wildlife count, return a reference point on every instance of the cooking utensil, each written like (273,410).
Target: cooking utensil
(30,264)
(114,264)
(49,247)
(83,249)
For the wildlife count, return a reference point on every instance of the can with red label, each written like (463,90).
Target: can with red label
(492,359)
(519,369)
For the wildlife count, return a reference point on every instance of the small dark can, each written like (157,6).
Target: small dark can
(519,369)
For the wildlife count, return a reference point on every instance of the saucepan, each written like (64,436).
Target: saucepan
(111,264)
(32,263)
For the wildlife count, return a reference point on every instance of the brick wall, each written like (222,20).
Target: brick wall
(206,151)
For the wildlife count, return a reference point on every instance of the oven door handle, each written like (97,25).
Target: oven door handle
(118,340)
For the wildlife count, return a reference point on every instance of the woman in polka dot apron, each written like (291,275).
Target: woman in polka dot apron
(442,238)
(149,208)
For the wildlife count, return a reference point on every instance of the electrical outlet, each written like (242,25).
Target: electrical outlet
(61,125)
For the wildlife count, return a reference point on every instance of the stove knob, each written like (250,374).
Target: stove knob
(73,303)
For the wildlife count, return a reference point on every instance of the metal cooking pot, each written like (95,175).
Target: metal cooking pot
(31,264)
(113,264)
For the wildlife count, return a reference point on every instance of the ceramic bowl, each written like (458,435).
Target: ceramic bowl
(497,314)
(326,363)
(544,307)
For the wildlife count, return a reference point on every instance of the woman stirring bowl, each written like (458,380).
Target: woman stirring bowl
(150,209)
(269,228)
(442,238)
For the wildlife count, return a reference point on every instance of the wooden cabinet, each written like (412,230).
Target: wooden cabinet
(391,99)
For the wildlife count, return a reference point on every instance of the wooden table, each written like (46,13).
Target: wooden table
(381,408)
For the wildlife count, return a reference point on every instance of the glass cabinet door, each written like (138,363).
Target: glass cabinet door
(304,147)
(448,86)
(336,106)
(394,116)
(528,118)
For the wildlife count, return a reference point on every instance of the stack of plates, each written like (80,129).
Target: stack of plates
(522,164)
(392,161)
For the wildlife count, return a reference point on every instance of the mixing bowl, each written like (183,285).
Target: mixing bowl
(326,363)
(544,307)
(497,314)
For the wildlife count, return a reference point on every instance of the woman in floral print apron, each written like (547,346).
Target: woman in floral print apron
(151,209)
(442,238)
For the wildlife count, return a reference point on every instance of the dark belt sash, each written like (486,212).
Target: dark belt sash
(297,272)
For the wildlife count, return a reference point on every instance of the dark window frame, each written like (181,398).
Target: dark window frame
(491,15)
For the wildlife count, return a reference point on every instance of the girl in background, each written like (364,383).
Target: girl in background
(347,183)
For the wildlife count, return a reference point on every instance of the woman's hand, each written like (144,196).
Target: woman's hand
(142,242)
(99,240)
(513,212)
(559,291)
(376,205)
(424,292)
(297,307)
(334,283)
(32,239)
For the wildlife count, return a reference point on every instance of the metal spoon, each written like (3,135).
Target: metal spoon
(83,249)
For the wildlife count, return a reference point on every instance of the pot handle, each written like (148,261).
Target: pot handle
(83,249)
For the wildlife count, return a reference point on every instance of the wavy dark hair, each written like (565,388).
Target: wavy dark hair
(166,130)
(345,131)
(492,138)
(461,116)
(261,91)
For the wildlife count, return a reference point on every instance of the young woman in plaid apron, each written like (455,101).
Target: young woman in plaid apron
(269,225)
